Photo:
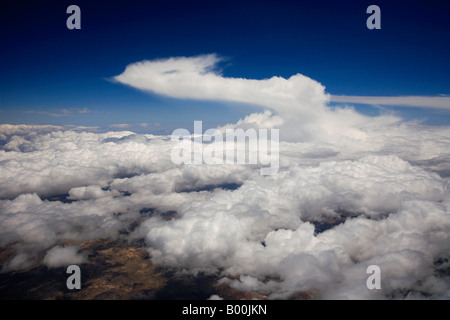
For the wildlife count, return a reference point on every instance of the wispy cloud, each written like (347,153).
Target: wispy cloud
(120,125)
(148,124)
(438,102)
(132,125)
(60,112)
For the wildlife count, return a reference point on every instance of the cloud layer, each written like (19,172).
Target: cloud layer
(314,227)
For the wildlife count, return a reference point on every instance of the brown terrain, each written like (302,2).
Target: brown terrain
(116,271)
(119,270)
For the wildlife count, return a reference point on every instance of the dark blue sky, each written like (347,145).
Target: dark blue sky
(50,74)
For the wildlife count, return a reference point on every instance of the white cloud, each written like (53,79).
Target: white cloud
(229,229)
(63,257)
(438,102)
(351,191)
(298,104)
(130,126)
(54,163)
(90,192)
(258,229)
(197,78)
(120,125)
(60,112)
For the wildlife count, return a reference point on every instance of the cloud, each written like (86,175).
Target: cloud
(134,125)
(347,164)
(63,257)
(60,112)
(53,163)
(148,124)
(312,229)
(439,102)
(269,235)
(120,125)
(351,191)
(197,78)
(89,192)
(298,103)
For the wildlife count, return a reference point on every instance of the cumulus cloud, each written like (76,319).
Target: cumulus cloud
(54,163)
(351,191)
(312,229)
(265,229)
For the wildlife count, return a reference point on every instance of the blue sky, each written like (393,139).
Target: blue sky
(52,75)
